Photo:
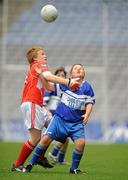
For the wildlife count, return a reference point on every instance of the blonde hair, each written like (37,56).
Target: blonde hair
(32,53)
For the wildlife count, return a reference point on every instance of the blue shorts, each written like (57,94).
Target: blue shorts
(59,129)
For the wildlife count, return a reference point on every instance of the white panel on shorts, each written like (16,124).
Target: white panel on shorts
(40,115)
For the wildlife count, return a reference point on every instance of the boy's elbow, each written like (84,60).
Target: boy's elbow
(47,75)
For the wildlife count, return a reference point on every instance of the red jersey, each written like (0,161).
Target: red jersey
(33,90)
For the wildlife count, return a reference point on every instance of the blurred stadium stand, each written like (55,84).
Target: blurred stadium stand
(94,33)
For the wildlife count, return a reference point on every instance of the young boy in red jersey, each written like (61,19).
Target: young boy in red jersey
(34,114)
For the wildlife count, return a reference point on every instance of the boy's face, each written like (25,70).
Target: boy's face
(41,57)
(61,74)
(78,71)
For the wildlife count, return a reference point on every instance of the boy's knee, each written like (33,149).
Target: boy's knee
(45,140)
(80,144)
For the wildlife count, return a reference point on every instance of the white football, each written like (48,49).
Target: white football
(49,13)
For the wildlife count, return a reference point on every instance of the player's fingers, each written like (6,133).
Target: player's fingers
(75,79)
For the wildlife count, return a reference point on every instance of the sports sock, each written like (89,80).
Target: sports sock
(76,157)
(61,156)
(39,151)
(55,151)
(26,150)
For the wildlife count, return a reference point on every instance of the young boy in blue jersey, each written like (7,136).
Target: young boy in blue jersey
(71,116)
(51,101)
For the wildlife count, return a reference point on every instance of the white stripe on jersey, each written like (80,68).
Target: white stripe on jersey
(73,102)
(76,95)
(53,103)
(58,90)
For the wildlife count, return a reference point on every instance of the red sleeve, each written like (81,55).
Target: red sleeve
(44,67)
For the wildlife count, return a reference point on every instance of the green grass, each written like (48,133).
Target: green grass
(101,162)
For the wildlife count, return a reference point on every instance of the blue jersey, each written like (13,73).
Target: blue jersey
(52,99)
(73,103)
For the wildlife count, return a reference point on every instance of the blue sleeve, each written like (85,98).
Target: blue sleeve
(47,96)
(59,89)
(90,95)
(58,92)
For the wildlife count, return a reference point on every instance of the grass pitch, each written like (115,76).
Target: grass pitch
(101,162)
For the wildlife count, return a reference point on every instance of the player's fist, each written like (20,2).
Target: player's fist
(74,84)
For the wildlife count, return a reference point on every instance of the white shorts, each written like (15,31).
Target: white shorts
(34,115)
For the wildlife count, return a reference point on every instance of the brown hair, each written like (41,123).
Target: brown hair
(31,53)
(75,65)
(60,69)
